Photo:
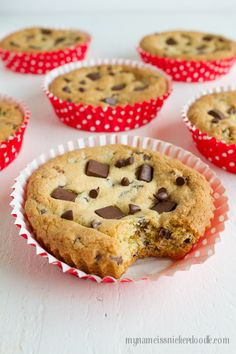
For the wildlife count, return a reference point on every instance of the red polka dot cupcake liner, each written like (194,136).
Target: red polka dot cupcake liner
(143,269)
(10,148)
(189,70)
(216,151)
(104,119)
(41,63)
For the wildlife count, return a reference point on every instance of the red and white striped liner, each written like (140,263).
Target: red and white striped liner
(10,148)
(104,119)
(216,151)
(42,62)
(149,268)
(189,70)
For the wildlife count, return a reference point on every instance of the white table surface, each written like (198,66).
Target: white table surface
(45,311)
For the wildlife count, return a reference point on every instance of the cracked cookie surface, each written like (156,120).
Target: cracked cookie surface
(99,209)
(109,85)
(37,39)
(189,45)
(11,119)
(216,114)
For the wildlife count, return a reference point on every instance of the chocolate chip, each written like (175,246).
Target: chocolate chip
(110,212)
(171,41)
(207,38)
(187,240)
(66,89)
(124,162)
(216,114)
(145,173)
(98,257)
(81,89)
(125,181)
(231,110)
(161,194)
(94,193)
(110,100)
(67,80)
(215,120)
(46,31)
(94,76)
(68,215)
(97,169)
(64,194)
(82,82)
(95,224)
(118,260)
(165,233)
(146,157)
(118,87)
(164,206)
(141,88)
(180,181)
(133,209)
(59,40)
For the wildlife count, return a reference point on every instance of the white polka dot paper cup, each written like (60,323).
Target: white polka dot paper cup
(10,148)
(42,62)
(189,70)
(104,119)
(216,151)
(143,269)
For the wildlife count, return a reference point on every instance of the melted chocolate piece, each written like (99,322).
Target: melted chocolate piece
(124,162)
(171,41)
(161,194)
(133,209)
(64,194)
(216,114)
(118,87)
(97,169)
(66,89)
(145,173)
(110,212)
(68,215)
(94,76)
(164,207)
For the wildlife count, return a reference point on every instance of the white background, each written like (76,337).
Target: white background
(45,311)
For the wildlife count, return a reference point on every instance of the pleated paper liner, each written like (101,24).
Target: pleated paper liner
(189,70)
(42,62)
(149,268)
(10,148)
(104,119)
(216,151)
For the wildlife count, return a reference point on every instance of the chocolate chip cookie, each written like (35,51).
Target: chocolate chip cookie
(99,209)
(37,39)
(189,45)
(216,114)
(11,119)
(109,85)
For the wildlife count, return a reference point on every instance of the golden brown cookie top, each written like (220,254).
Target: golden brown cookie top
(216,114)
(11,118)
(37,39)
(189,45)
(109,85)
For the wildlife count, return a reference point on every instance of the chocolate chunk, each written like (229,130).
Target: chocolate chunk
(46,31)
(94,76)
(187,240)
(216,114)
(81,89)
(118,87)
(145,173)
(164,207)
(171,41)
(59,40)
(68,215)
(231,110)
(161,194)
(110,100)
(125,181)
(64,194)
(110,212)
(66,89)
(95,224)
(146,157)
(94,193)
(165,233)
(82,82)
(124,162)
(207,38)
(133,209)
(180,181)
(141,88)
(118,260)
(97,169)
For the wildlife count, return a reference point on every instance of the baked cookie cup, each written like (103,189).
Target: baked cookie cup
(14,117)
(189,56)
(211,119)
(101,257)
(37,50)
(107,95)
